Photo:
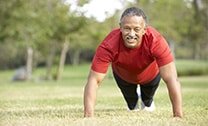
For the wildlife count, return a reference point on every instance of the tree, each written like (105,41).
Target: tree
(182,22)
(41,27)
(199,28)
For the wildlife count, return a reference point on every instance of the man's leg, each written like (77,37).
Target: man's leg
(148,91)
(129,92)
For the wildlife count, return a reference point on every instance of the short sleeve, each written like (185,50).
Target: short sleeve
(101,59)
(161,51)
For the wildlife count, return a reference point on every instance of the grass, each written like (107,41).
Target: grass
(60,103)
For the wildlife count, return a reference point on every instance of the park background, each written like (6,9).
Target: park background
(46,47)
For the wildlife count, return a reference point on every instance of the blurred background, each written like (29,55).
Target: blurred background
(50,34)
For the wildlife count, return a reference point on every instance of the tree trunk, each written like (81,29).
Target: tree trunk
(198,6)
(197,50)
(75,57)
(49,63)
(29,63)
(172,47)
(62,60)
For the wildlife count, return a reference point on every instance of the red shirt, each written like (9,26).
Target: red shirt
(139,65)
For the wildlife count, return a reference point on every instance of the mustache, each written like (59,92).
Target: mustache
(131,37)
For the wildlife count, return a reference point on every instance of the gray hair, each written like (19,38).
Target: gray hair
(134,11)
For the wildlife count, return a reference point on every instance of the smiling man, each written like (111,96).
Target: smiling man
(139,56)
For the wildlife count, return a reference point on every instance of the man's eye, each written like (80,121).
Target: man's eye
(137,30)
(127,29)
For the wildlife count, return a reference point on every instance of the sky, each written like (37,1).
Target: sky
(99,9)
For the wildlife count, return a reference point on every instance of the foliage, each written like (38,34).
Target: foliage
(191,67)
(37,24)
(46,25)
(182,22)
(9,53)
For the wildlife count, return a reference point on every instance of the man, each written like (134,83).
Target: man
(139,55)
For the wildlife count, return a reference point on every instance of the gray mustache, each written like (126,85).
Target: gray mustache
(131,37)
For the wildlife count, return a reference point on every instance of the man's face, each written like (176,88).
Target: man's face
(132,28)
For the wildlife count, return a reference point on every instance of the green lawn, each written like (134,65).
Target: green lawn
(60,103)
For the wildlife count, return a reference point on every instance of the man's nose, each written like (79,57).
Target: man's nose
(132,33)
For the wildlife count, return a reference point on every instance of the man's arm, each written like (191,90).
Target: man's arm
(90,92)
(169,75)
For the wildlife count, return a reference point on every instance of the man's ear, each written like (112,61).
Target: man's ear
(144,30)
(120,24)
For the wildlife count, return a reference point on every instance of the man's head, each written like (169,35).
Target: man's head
(133,24)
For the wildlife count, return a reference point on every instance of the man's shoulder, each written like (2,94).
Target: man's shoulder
(152,31)
(152,34)
(112,39)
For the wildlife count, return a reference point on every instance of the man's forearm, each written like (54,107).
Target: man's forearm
(89,99)
(176,99)
(169,75)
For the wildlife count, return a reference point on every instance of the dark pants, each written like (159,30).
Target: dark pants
(129,91)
